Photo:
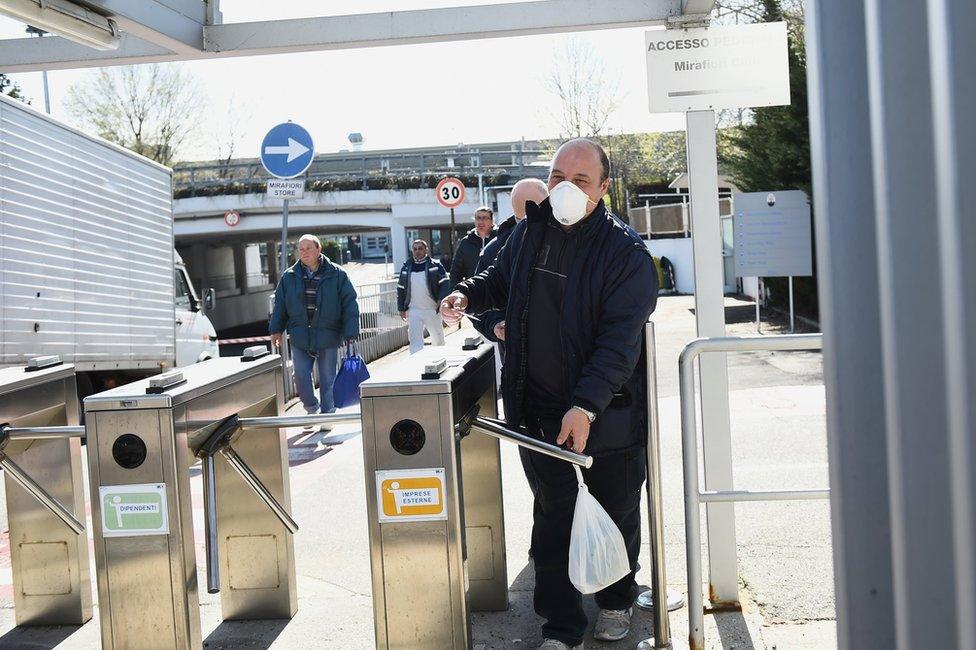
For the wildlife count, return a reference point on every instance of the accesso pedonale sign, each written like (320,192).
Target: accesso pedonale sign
(736,66)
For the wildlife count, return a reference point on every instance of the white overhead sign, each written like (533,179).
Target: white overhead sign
(735,66)
(280,188)
(771,234)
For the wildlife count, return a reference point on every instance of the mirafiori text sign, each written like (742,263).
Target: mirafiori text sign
(133,510)
(735,66)
(279,188)
(410,495)
(771,234)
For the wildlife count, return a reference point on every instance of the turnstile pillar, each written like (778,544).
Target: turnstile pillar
(49,561)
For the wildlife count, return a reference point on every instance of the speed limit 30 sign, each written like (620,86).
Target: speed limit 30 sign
(450,192)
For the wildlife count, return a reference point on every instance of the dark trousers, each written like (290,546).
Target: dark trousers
(615,480)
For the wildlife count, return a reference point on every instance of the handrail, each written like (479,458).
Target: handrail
(694,497)
(500,430)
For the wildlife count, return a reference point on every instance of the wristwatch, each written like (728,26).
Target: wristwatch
(590,415)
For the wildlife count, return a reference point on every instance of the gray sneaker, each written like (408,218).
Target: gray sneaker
(553,644)
(612,624)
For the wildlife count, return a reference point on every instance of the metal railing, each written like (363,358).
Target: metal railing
(365,167)
(694,496)
(381,330)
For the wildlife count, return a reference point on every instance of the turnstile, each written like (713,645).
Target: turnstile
(45,495)
(142,440)
(434,495)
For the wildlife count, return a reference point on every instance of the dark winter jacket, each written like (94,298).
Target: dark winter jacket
(486,326)
(336,316)
(611,289)
(467,253)
(437,282)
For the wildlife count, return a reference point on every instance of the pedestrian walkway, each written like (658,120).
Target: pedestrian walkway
(784,548)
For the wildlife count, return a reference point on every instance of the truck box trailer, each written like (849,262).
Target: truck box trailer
(87,266)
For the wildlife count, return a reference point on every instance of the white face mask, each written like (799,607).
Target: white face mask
(568,203)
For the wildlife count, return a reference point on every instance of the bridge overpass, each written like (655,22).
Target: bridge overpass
(372,203)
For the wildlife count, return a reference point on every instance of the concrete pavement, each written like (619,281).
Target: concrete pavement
(784,548)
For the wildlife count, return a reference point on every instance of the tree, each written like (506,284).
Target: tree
(11,89)
(151,109)
(772,151)
(586,96)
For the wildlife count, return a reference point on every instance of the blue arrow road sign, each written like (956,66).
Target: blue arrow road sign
(287,150)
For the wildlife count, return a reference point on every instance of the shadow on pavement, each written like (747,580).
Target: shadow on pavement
(733,631)
(35,638)
(245,634)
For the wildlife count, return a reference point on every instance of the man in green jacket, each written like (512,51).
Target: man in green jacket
(316,303)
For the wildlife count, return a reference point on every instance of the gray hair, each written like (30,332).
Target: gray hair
(311,238)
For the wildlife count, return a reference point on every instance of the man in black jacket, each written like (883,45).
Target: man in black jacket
(469,248)
(421,286)
(492,323)
(577,286)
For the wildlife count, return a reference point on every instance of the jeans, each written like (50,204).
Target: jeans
(615,480)
(326,361)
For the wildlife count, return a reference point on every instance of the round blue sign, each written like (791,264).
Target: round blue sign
(287,150)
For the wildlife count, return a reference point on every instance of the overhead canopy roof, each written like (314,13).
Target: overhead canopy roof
(179,30)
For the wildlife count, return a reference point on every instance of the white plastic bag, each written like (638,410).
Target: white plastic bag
(597,553)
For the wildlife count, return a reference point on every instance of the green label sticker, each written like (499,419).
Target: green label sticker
(130,510)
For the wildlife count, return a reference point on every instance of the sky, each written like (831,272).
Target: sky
(406,96)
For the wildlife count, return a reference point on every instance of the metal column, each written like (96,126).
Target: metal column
(912,336)
(840,143)
(953,51)
(714,378)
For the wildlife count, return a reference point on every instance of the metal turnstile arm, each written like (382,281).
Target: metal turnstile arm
(210,524)
(498,429)
(21,478)
(285,421)
(235,461)
(45,433)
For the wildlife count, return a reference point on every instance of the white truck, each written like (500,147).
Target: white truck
(87,265)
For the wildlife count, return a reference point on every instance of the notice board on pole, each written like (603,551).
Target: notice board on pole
(771,234)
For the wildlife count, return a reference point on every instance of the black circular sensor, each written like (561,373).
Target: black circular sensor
(407,437)
(129,450)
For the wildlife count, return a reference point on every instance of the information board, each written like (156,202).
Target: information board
(771,234)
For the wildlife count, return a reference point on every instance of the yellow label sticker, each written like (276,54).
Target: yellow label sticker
(411,495)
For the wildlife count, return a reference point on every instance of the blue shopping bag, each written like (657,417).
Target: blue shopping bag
(345,390)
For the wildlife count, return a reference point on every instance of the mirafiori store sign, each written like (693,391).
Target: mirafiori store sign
(736,66)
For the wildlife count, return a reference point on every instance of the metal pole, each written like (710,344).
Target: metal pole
(45,433)
(282,265)
(689,458)
(453,234)
(758,317)
(792,317)
(19,476)
(658,593)
(497,429)
(713,378)
(235,461)
(210,524)
(285,421)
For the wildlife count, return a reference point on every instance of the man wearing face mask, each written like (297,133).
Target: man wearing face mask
(492,323)
(577,286)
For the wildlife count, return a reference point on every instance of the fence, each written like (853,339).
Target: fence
(381,330)
(694,496)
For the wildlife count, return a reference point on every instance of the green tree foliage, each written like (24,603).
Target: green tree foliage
(333,251)
(772,151)
(11,89)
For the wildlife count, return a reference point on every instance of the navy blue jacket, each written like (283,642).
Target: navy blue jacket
(336,318)
(437,283)
(486,326)
(611,290)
